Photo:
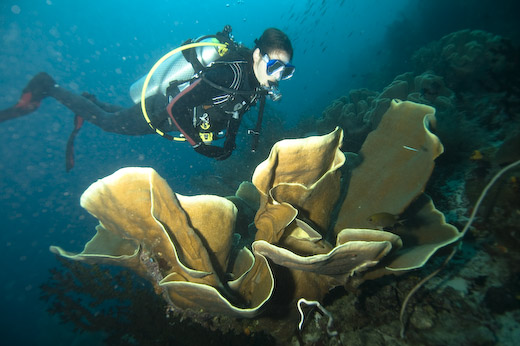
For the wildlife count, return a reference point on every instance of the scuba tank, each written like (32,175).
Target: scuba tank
(175,68)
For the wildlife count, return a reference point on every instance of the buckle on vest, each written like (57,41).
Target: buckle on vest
(207,137)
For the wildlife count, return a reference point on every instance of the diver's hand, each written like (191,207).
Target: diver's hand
(224,155)
(229,146)
(208,150)
(217,153)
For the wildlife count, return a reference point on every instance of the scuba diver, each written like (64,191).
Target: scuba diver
(202,93)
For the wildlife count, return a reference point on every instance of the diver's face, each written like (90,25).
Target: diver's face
(260,67)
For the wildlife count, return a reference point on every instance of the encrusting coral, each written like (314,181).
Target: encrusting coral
(184,245)
(470,60)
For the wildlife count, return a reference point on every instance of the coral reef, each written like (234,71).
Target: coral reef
(470,77)
(184,245)
(425,21)
(361,112)
(471,61)
(304,228)
(475,92)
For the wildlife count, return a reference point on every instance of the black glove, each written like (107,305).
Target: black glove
(224,156)
(229,146)
(208,150)
(217,153)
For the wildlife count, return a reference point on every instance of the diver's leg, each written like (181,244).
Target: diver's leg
(128,121)
(108,107)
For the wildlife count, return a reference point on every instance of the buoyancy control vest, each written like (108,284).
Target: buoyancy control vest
(182,69)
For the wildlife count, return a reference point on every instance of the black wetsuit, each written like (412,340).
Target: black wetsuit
(203,109)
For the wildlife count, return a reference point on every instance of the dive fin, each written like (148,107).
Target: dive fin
(35,91)
(69,151)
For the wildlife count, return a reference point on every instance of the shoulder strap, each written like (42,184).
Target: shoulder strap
(191,56)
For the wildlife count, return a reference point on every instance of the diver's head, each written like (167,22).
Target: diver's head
(271,57)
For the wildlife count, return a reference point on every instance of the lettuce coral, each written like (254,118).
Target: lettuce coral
(184,245)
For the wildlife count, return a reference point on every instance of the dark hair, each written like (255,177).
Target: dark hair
(274,40)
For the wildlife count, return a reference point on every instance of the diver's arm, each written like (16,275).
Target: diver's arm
(220,153)
(231,133)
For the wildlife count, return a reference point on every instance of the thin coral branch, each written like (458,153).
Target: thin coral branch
(323,311)
(419,285)
(462,233)
(483,194)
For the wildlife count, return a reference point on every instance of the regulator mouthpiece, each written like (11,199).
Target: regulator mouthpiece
(273,92)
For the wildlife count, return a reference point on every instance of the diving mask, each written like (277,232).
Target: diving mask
(274,66)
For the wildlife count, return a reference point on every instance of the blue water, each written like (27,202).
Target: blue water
(103,47)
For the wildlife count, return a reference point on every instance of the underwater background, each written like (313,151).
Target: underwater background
(104,46)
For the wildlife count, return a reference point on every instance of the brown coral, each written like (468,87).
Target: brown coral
(183,245)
